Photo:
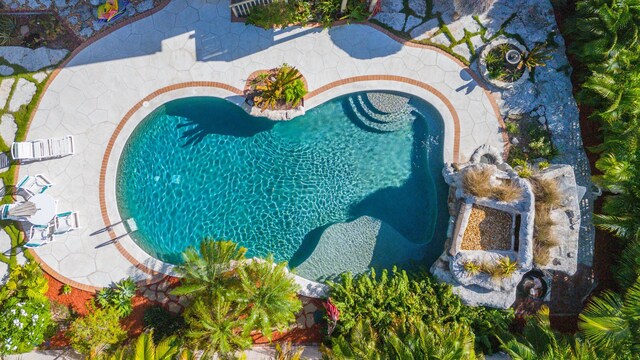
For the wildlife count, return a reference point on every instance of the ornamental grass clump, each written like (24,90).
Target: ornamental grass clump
(472,267)
(547,197)
(478,182)
(546,192)
(507,191)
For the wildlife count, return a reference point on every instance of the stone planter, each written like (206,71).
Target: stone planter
(482,64)
(271,114)
(276,115)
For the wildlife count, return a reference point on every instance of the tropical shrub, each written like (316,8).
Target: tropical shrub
(397,297)
(23,325)
(498,67)
(284,351)
(280,14)
(65,289)
(281,87)
(24,309)
(118,297)
(97,332)
(539,341)
(145,349)
(538,56)
(162,323)
(25,282)
(412,341)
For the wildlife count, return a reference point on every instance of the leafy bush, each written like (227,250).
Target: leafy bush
(24,309)
(25,282)
(65,289)
(327,11)
(414,340)
(398,298)
(23,325)
(280,14)
(511,127)
(538,56)
(118,296)
(163,323)
(96,332)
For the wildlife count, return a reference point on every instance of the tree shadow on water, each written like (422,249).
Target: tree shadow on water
(202,116)
(405,208)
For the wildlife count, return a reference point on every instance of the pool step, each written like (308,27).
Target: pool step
(380,122)
(382,117)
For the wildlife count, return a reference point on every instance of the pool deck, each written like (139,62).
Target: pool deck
(193,48)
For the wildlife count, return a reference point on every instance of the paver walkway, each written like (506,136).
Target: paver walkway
(195,41)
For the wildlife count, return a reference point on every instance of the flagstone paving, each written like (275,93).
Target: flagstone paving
(196,41)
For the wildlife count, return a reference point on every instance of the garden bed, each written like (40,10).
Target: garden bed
(487,229)
(529,138)
(33,31)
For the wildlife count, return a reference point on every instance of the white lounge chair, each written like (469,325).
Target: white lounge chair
(65,222)
(43,148)
(39,235)
(32,185)
(16,211)
(4,212)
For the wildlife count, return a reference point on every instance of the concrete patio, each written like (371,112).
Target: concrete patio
(195,42)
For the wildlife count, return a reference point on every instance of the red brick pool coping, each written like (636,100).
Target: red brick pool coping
(156,275)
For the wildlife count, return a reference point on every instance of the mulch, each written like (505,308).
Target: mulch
(78,299)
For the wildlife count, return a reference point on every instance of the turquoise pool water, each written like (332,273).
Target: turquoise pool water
(201,167)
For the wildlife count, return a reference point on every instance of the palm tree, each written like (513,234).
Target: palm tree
(145,349)
(202,272)
(269,295)
(612,322)
(214,326)
(604,28)
(540,342)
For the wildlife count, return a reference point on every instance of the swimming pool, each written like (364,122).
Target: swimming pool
(201,167)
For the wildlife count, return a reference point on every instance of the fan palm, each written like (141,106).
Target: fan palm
(145,349)
(202,272)
(612,322)
(215,326)
(540,342)
(269,294)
